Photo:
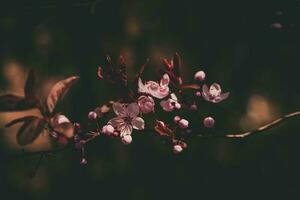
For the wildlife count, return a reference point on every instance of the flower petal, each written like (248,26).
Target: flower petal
(165,80)
(118,108)
(215,90)
(138,123)
(220,97)
(205,92)
(125,129)
(116,122)
(133,110)
(167,105)
(142,87)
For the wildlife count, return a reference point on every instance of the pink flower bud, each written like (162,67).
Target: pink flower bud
(183,123)
(200,76)
(177,106)
(177,149)
(83,161)
(127,139)
(194,107)
(92,115)
(108,129)
(77,126)
(177,119)
(198,94)
(209,122)
(115,134)
(146,104)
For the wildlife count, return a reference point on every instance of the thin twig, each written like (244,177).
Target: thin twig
(265,127)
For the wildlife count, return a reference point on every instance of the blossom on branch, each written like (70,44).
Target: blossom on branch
(127,118)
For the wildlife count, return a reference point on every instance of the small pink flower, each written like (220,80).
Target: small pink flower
(127,139)
(177,148)
(214,93)
(177,119)
(127,118)
(154,89)
(183,123)
(198,94)
(209,122)
(146,104)
(92,115)
(200,76)
(108,129)
(170,104)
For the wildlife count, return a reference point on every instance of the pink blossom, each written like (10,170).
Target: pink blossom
(92,115)
(127,118)
(209,122)
(59,119)
(146,104)
(177,148)
(127,139)
(177,119)
(198,94)
(183,123)
(154,89)
(108,129)
(200,76)
(60,123)
(170,104)
(214,93)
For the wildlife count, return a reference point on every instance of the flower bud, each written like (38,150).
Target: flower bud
(127,139)
(177,106)
(194,107)
(177,119)
(92,115)
(198,94)
(199,76)
(83,161)
(146,104)
(209,122)
(183,123)
(177,149)
(77,126)
(108,129)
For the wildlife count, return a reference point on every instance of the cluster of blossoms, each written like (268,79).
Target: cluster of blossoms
(138,100)
(154,96)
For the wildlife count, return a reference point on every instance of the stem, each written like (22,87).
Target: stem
(265,127)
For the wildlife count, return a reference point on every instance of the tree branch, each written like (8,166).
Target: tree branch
(263,128)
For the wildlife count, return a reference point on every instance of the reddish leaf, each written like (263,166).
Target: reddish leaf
(30,130)
(100,73)
(169,65)
(177,64)
(18,120)
(163,130)
(191,86)
(29,88)
(58,91)
(16,103)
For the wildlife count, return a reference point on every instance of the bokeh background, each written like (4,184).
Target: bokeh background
(250,47)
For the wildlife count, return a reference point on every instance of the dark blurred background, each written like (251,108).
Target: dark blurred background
(250,47)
